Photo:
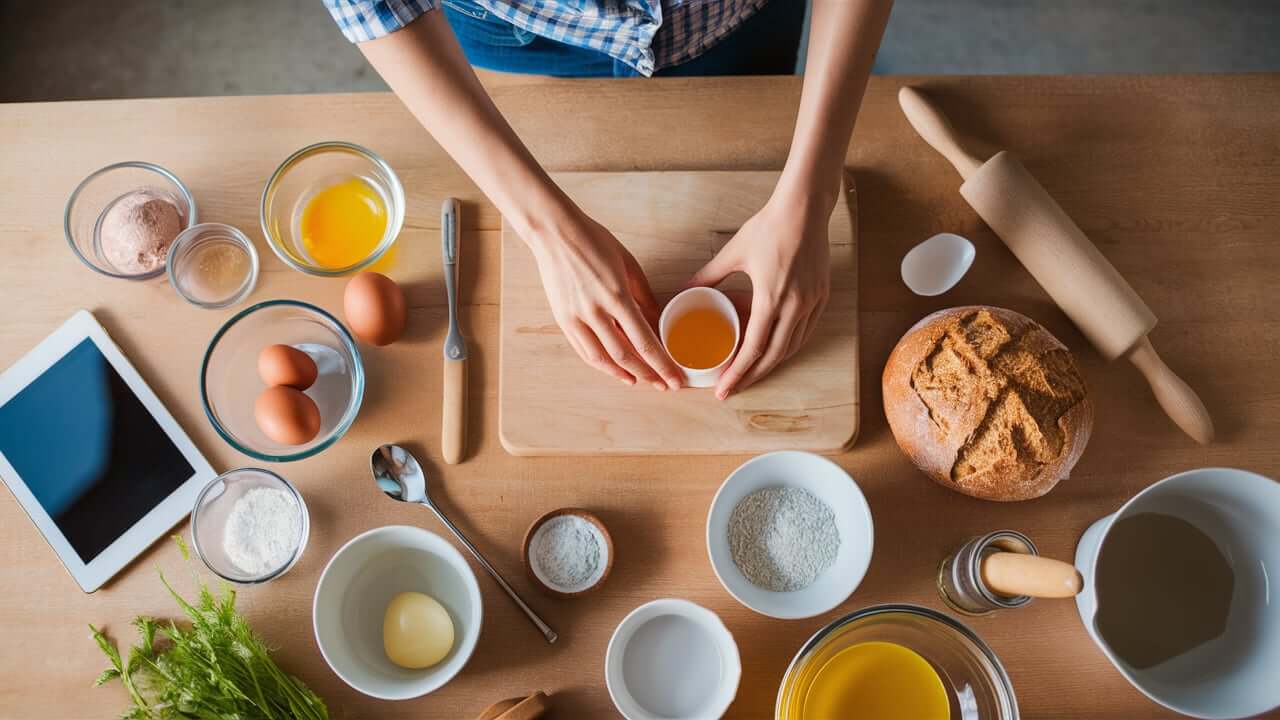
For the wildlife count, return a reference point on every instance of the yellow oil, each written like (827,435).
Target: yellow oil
(343,224)
(875,681)
(700,339)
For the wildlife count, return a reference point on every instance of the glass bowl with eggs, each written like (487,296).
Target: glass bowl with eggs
(282,380)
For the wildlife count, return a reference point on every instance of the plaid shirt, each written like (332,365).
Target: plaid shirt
(645,34)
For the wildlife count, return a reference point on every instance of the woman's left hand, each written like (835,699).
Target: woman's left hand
(783,249)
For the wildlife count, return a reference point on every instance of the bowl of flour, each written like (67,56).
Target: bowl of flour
(249,526)
(790,535)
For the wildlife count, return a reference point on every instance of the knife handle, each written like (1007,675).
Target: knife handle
(453,428)
(936,130)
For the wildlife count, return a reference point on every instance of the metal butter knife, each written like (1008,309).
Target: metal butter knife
(453,429)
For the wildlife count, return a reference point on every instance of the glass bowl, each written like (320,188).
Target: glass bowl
(213,508)
(977,686)
(96,194)
(310,170)
(212,265)
(229,381)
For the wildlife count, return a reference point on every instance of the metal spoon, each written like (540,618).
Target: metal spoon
(400,477)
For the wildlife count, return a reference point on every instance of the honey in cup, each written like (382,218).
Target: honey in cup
(699,329)
(700,339)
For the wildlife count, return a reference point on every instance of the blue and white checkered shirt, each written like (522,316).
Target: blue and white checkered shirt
(645,34)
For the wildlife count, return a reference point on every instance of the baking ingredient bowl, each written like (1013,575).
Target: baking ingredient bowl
(229,380)
(974,682)
(833,487)
(310,171)
(215,505)
(671,659)
(91,199)
(567,545)
(355,589)
(212,265)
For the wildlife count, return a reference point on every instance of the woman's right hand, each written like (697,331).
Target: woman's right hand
(602,302)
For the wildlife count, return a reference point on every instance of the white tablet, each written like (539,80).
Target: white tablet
(100,466)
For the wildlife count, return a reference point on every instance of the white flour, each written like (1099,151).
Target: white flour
(782,538)
(263,530)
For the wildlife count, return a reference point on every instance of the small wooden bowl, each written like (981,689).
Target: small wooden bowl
(533,530)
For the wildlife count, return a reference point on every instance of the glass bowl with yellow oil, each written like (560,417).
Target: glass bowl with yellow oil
(332,209)
(896,662)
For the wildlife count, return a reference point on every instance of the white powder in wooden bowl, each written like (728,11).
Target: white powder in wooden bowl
(568,553)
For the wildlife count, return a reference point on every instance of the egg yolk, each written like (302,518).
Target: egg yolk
(417,631)
(343,224)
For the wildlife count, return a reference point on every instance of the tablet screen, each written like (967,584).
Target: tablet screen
(90,452)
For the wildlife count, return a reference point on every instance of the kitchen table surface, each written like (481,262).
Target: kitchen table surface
(1177,179)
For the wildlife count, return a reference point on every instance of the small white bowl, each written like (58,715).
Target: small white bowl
(352,596)
(700,298)
(671,659)
(830,484)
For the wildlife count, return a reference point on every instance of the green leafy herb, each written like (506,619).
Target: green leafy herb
(215,668)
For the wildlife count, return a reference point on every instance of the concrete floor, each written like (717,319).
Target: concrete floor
(63,49)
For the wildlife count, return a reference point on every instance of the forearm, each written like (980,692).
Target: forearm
(844,36)
(427,69)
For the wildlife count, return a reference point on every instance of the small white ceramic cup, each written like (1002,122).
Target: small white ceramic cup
(1233,676)
(645,684)
(700,298)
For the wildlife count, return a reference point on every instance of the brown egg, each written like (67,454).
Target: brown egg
(287,415)
(374,308)
(286,365)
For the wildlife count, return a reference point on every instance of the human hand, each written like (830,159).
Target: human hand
(602,302)
(783,249)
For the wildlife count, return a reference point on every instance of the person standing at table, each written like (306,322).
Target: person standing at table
(424,50)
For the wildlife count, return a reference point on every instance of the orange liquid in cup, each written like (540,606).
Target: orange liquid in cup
(700,339)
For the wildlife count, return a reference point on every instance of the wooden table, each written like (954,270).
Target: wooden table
(1176,178)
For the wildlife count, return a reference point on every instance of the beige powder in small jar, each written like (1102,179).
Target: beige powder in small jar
(137,229)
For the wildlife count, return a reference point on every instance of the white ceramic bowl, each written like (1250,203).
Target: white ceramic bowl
(671,659)
(830,484)
(352,597)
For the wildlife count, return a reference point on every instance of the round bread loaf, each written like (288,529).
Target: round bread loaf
(987,402)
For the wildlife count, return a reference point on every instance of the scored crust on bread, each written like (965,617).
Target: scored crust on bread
(987,402)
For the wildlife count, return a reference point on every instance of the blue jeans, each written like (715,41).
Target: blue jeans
(767,43)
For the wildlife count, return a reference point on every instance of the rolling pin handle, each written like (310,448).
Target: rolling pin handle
(1016,574)
(936,130)
(1177,398)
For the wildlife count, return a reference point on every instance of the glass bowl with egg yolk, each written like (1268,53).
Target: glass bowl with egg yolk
(896,662)
(332,209)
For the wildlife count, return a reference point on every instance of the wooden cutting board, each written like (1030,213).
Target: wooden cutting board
(550,403)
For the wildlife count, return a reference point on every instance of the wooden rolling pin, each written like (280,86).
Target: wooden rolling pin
(1066,264)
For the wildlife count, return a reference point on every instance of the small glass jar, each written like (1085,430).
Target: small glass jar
(212,265)
(213,509)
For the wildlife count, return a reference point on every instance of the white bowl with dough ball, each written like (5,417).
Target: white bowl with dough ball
(359,583)
(801,541)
